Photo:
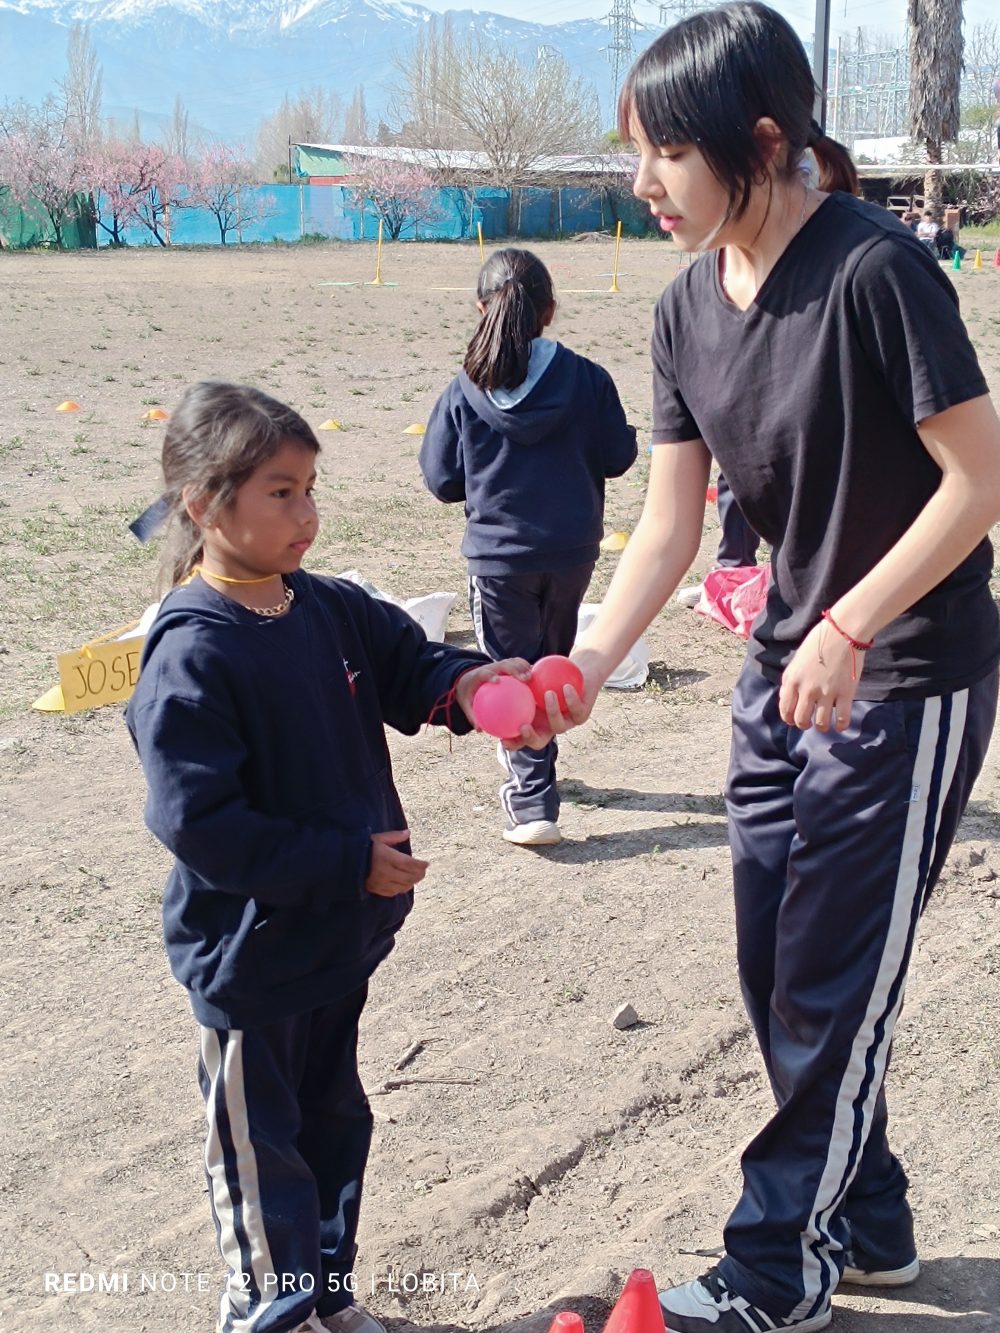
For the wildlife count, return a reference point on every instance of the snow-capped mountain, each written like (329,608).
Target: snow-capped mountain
(232,61)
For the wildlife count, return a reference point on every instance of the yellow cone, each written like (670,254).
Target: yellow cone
(978,261)
(330,425)
(69,406)
(51,701)
(156,414)
(415,429)
(615,541)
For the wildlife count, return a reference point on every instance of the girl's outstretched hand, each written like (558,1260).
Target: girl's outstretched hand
(393,872)
(470,681)
(818,685)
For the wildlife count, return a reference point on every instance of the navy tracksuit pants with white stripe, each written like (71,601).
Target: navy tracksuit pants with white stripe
(837,840)
(529,616)
(289,1128)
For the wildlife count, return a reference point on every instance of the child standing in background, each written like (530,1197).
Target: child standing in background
(526,436)
(259,719)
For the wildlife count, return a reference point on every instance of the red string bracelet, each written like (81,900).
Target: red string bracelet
(857,645)
(444,704)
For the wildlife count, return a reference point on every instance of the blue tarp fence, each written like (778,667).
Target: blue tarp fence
(290,212)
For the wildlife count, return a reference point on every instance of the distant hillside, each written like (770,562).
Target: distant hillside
(232,62)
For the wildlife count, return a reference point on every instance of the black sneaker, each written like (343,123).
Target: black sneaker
(709,1305)
(862,1271)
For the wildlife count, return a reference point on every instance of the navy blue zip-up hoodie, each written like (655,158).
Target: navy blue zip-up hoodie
(532,475)
(263,747)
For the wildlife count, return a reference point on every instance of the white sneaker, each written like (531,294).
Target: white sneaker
(858,1276)
(353,1319)
(689,596)
(536,833)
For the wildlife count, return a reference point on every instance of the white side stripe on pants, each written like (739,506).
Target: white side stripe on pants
(867,1048)
(239,1312)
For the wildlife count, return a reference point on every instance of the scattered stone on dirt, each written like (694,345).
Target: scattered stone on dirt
(624,1017)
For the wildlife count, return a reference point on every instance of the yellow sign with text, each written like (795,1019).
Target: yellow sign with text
(99,673)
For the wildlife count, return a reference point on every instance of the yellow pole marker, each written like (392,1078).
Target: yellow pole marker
(377,280)
(482,252)
(618,245)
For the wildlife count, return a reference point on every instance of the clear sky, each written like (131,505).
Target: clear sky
(879,16)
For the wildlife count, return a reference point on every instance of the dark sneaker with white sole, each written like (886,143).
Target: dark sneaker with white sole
(709,1305)
(862,1271)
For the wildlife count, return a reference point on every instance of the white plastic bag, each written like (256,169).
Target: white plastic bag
(633,670)
(430,611)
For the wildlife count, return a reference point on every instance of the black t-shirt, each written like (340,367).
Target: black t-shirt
(808,401)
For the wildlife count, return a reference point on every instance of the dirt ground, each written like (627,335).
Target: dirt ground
(532,1154)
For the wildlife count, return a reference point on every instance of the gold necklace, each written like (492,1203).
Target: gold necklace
(798,228)
(278,610)
(269,611)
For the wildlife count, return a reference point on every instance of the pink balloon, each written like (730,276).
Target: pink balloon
(555,673)
(503,706)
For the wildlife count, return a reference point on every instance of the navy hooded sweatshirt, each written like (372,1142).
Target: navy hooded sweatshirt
(264,751)
(532,475)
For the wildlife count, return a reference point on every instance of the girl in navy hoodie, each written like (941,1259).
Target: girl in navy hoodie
(526,436)
(259,718)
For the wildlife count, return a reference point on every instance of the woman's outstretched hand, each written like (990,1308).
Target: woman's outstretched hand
(555,722)
(819,683)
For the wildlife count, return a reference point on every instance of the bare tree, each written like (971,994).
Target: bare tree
(979,95)
(935,77)
(429,85)
(356,128)
(178,140)
(81,89)
(314,116)
(477,94)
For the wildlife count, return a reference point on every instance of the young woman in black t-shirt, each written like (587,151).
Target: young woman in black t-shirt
(815,349)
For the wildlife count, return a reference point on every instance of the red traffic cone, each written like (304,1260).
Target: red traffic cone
(566,1322)
(996,260)
(637,1309)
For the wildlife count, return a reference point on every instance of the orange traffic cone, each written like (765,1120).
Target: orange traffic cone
(566,1322)
(637,1309)
(69,406)
(155,414)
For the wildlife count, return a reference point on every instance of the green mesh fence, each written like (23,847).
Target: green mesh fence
(30,227)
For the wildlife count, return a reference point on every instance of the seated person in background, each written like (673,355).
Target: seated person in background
(927,229)
(944,243)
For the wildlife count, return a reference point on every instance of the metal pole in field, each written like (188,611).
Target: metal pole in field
(618,245)
(821,52)
(482,252)
(377,281)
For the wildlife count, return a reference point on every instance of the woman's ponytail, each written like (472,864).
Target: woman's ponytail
(836,167)
(515,291)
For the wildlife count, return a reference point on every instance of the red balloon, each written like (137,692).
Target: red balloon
(503,706)
(555,673)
